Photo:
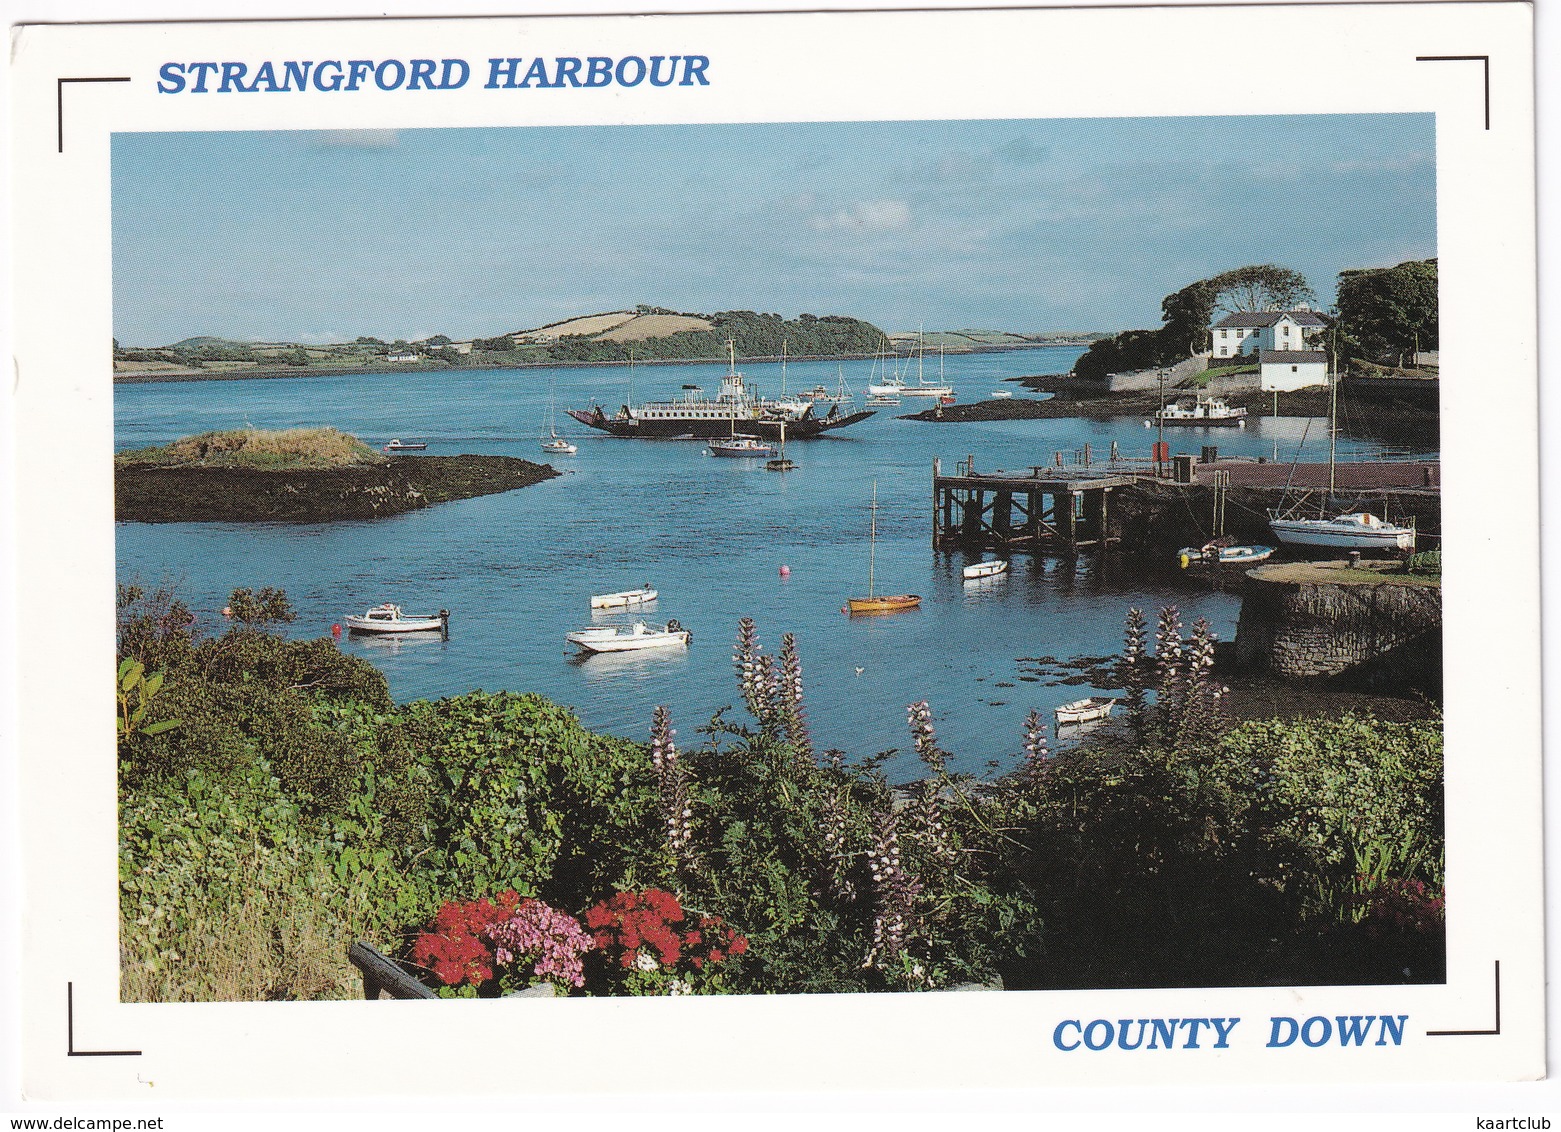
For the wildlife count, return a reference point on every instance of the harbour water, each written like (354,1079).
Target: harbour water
(516,569)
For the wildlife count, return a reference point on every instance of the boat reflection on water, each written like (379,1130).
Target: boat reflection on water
(393,644)
(640,665)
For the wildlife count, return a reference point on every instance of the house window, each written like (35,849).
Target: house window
(1295,369)
(1223,333)
(1222,351)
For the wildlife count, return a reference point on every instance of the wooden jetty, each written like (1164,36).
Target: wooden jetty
(1051,508)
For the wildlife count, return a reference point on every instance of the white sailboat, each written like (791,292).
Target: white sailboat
(1354,530)
(940,388)
(552,443)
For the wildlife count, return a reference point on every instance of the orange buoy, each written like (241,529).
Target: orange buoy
(336,630)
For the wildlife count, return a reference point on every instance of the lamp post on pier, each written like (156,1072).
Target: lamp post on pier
(1160,424)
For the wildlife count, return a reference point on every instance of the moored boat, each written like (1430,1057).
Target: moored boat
(1213,555)
(632,639)
(990,569)
(1086,710)
(399,445)
(875,602)
(1358,530)
(388,618)
(556,445)
(1201,411)
(624,598)
(739,446)
(734,409)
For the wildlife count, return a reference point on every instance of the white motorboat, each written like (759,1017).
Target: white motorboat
(1201,411)
(1085,711)
(636,637)
(388,618)
(989,569)
(1358,530)
(883,400)
(623,599)
(399,445)
(1213,555)
(1002,393)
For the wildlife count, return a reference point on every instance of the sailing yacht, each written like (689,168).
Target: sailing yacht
(940,388)
(552,443)
(1354,530)
(874,602)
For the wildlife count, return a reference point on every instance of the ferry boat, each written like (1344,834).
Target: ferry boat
(1202,411)
(735,409)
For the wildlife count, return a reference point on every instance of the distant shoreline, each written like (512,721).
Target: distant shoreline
(268,372)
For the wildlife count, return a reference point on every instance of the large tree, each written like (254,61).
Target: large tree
(1388,311)
(1259,287)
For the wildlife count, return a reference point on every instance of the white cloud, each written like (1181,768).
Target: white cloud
(866,216)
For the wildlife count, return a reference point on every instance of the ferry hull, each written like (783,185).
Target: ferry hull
(662,429)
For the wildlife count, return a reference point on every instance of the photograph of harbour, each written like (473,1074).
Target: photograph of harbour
(778,558)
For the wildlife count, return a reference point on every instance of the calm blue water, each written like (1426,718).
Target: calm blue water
(516,569)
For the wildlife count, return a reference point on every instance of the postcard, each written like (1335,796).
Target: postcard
(766,541)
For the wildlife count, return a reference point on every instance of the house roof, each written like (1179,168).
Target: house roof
(1269,318)
(1291,357)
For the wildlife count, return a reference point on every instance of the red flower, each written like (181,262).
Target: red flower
(739,945)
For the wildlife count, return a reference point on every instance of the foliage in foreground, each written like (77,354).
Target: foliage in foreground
(489,838)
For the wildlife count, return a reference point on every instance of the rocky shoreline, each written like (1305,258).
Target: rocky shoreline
(149,493)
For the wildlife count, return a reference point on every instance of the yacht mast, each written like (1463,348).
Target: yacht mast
(872,541)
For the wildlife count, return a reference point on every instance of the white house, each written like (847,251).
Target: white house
(404,356)
(1247,332)
(1284,370)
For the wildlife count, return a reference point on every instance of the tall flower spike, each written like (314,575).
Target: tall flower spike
(919,716)
(746,661)
(1134,661)
(676,808)
(791,699)
(1035,750)
(1168,655)
(894,895)
(767,694)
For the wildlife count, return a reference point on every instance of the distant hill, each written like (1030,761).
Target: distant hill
(652,332)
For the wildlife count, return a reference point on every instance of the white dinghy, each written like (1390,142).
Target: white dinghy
(633,639)
(624,598)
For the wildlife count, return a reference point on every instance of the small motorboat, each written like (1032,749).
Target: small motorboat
(399,445)
(1084,711)
(1002,393)
(883,400)
(624,598)
(636,637)
(739,446)
(1200,411)
(1211,554)
(981,570)
(388,618)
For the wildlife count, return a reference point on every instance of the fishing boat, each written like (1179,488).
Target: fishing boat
(632,639)
(399,445)
(1201,411)
(623,599)
(1354,530)
(1087,710)
(980,570)
(1002,393)
(874,602)
(735,409)
(552,443)
(389,618)
(739,445)
(1213,555)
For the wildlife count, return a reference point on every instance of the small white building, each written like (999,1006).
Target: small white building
(406,356)
(1285,370)
(1246,332)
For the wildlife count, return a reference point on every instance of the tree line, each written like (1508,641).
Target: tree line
(1380,314)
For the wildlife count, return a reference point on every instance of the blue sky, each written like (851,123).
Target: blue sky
(1081,224)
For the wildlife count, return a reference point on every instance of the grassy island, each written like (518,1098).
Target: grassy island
(298,475)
